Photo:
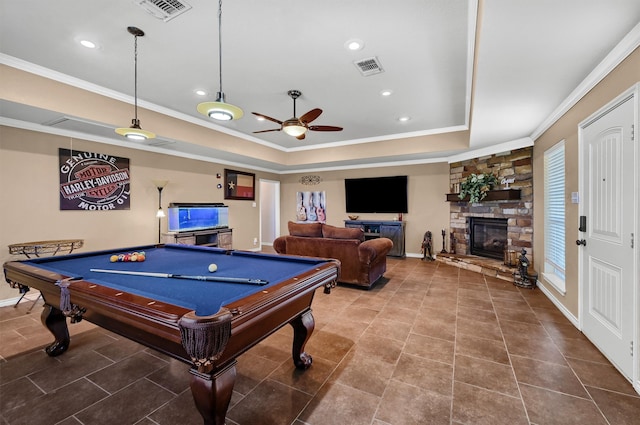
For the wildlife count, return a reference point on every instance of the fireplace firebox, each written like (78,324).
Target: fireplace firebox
(488,237)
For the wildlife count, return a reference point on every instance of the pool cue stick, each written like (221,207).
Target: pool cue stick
(182,276)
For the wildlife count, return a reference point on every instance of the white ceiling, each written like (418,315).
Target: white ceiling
(532,59)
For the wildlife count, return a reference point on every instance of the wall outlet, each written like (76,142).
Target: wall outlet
(255,241)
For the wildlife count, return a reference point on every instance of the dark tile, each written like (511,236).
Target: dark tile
(384,349)
(471,305)
(408,405)
(397,314)
(69,370)
(271,403)
(328,345)
(479,329)
(617,408)
(601,375)
(579,349)
(542,348)
(424,373)
(436,327)
(251,370)
(57,405)
(309,380)
(550,407)
(26,364)
(17,393)
(473,405)
(118,375)
(430,348)
(119,349)
(517,315)
(481,348)
(363,373)
(174,376)
(127,406)
(485,374)
(524,330)
(398,331)
(180,410)
(548,375)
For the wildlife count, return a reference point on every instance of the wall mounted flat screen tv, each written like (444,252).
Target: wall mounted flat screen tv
(192,217)
(376,195)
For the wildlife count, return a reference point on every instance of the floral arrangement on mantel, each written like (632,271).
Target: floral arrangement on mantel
(476,186)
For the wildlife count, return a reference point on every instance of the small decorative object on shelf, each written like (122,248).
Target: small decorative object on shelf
(476,186)
(522,277)
(444,249)
(510,258)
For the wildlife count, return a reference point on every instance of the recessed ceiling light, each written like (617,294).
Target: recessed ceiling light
(404,119)
(354,44)
(201,92)
(386,93)
(88,44)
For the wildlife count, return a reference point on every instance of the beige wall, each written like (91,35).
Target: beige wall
(619,80)
(427,187)
(30,201)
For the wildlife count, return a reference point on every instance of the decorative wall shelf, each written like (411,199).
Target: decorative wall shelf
(492,195)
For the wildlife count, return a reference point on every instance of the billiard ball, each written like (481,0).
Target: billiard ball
(113,258)
(213,267)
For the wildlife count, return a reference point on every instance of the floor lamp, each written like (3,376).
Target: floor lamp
(160,184)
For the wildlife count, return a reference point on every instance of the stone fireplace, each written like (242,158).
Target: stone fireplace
(488,237)
(514,212)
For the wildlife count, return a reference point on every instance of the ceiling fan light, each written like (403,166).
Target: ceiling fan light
(293,128)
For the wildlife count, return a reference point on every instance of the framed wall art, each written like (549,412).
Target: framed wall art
(239,185)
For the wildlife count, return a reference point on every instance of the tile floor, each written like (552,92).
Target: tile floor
(429,344)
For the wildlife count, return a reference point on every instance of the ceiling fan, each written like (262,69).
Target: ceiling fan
(297,127)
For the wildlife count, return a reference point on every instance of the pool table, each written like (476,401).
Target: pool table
(206,324)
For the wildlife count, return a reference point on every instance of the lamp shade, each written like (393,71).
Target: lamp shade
(220,110)
(135,132)
(293,127)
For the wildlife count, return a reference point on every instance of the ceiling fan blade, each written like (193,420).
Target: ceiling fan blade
(267,118)
(300,137)
(311,115)
(324,128)
(264,131)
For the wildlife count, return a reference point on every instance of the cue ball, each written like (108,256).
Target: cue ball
(213,267)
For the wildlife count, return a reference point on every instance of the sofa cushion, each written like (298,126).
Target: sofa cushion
(307,230)
(333,232)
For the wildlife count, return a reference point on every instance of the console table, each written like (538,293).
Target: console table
(221,238)
(394,230)
(65,246)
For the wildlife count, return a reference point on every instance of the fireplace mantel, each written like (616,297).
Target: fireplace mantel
(492,195)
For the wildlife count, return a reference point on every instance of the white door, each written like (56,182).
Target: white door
(269,211)
(608,196)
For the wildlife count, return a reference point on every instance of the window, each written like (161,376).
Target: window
(554,217)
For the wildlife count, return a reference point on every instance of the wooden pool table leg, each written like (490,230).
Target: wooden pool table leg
(56,322)
(212,393)
(302,328)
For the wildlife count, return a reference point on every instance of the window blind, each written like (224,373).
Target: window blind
(554,212)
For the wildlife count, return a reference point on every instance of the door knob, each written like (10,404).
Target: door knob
(581,242)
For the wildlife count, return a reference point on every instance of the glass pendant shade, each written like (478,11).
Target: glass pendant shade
(293,127)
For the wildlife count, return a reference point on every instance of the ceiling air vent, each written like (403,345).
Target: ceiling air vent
(369,66)
(163,9)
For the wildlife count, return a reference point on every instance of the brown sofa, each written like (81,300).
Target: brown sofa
(362,261)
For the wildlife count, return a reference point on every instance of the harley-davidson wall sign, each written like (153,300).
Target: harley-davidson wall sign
(93,181)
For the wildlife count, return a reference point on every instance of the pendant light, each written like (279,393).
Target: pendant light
(220,110)
(135,132)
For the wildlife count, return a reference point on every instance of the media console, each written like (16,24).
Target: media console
(221,238)
(394,230)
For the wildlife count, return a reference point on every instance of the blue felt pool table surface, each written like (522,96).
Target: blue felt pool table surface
(204,297)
